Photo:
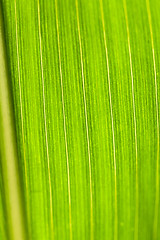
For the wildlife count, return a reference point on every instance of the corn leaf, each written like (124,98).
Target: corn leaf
(79,119)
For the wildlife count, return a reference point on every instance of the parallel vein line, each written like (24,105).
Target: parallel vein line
(135,125)
(64,122)
(156,210)
(45,121)
(86,121)
(22,119)
(113,136)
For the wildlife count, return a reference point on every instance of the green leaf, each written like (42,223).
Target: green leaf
(79,119)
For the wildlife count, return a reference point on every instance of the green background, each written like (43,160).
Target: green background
(85,84)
